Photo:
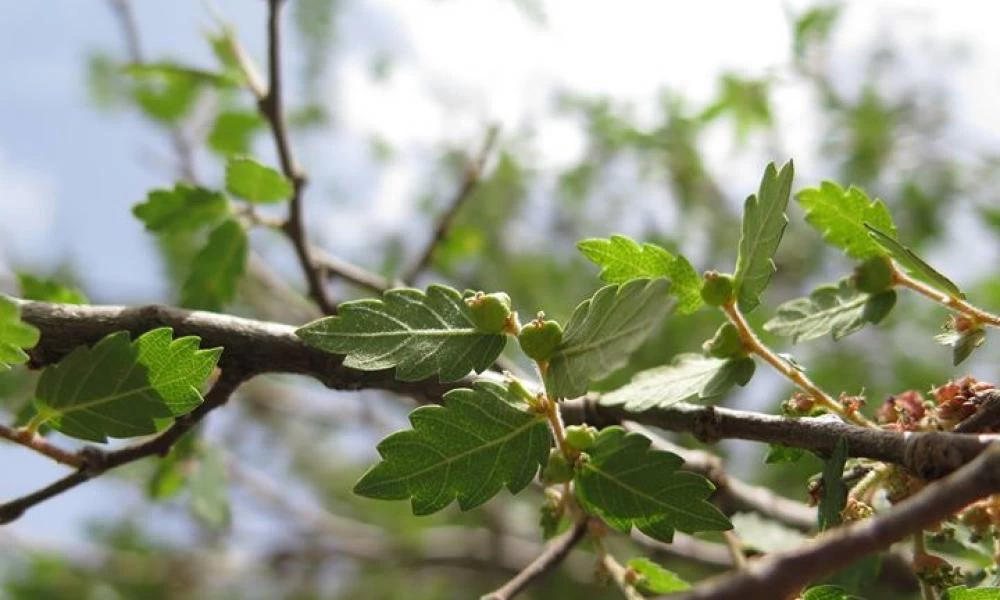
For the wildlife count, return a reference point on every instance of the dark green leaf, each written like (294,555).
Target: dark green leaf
(418,334)
(913,264)
(879,306)
(735,371)
(480,440)
(776,453)
(684,379)
(834,496)
(626,484)
(603,332)
(217,268)
(830,308)
(233,131)
(47,290)
(655,579)
(15,335)
(209,490)
(184,208)
(840,215)
(255,182)
(764,223)
(119,387)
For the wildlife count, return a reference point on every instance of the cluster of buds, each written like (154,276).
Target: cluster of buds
(799,405)
(958,400)
(851,404)
(936,571)
(902,412)
(856,510)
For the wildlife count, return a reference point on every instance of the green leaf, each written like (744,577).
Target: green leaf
(655,579)
(764,223)
(913,264)
(47,290)
(481,440)
(15,335)
(603,331)
(834,497)
(626,484)
(418,334)
(233,131)
(965,593)
(169,70)
(735,371)
(255,182)
(963,343)
(840,215)
(118,387)
(209,489)
(830,308)
(776,453)
(826,592)
(173,471)
(622,259)
(682,380)
(765,535)
(217,268)
(184,208)
(167,91)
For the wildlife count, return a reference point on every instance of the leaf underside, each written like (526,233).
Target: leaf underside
(839,309)
(682,380)
(419,334)
(480,441)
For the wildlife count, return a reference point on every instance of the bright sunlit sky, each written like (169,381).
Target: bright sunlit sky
(69,174)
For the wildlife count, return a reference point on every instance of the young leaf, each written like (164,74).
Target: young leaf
(655,579)
(478,442)
(914,265)
(118,387)
(764,223)
(603,332)
(963,343)
(626,484)
(209,490)
(15,335)
(776,453)
(684,379)
(840,215)
(834,491)
(418,334)
(965,593)
(184,208)
(233,131)
(167,91)
(217,268)
(47,290)
(173,471)
(255,182)
(622,259)
(830,308)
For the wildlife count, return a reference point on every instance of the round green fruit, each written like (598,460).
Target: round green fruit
(557,469)
(489,312)
(725,343)
(717,288)
(874,275)
(580,437)
(539,339)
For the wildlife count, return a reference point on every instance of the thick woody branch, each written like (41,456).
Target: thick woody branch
(784,574)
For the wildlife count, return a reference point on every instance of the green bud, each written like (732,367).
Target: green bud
(557,469)
(874,275)
(539,339)
(726,343)
(580,437)
(518,390)
(717,288)
(489,312)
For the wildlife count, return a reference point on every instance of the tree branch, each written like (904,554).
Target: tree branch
(783,574)
(30,439)
(554,554)
(470,180)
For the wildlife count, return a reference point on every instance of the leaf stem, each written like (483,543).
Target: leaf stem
(955,303)
(619,574)
(558,429)
(26,437)
(753,345)
(735,547)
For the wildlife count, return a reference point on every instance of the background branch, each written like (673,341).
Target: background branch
(554,554)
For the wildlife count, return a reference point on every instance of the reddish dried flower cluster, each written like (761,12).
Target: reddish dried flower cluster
(958,400)
(902,412)
(798,405)
(950,404)
(851,404)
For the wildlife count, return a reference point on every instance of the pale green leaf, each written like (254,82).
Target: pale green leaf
(603,331)
(834,496)
(167,91)
(118,387)
(15,335)
(764,222)
(626,484)
(765,535)
(184,208)
(684,379)
(655,579)
(840,215)
(481,440)
(217,268)
(250,180)
(173,471)
(234,130)
(209,489)
(47,290)
(913,264)
(962,592)
(776,453)
(963,343)
(839,309)
(418,334)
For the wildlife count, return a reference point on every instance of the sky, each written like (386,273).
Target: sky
(69,174)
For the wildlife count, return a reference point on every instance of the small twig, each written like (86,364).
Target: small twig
(753,345)
(333,265)
(735,547)
(955,303)
(618,573)
(470,179)
(554,554)
(30,439)
(781,574)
